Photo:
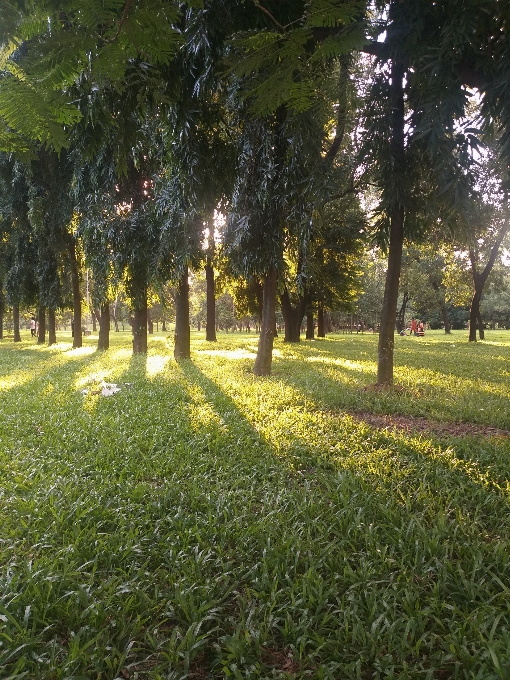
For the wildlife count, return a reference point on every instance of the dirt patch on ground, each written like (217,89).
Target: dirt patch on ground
(417,425)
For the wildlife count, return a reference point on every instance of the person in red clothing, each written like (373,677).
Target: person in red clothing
(414,326)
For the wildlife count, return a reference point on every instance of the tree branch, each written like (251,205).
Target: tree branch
(342,109)
(263,9)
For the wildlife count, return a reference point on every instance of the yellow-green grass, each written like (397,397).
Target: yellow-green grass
(205,523)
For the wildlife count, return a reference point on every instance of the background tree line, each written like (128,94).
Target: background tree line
(323,132)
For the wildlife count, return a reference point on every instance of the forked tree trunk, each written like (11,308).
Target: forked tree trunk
(182,344)
(321,331)
(310,330)
(292,316)
(15,320)
(140,324)
(389,306)
(41,325)
(52,332)
(210,324)
(265,348)
(103,341)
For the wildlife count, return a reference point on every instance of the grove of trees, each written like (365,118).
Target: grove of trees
(293,159)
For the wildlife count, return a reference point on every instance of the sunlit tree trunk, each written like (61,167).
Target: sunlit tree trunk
(264,358)
(396,242)
(104,327)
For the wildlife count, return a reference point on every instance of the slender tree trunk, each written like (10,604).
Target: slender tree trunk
(41,325)
(310,330)
(389,307)
(150,324)
(104,327)
(94,320)
(115,320)
(75,277)
(15,319)
(52,332)
(401,317)
(182,343)
(163,326)
(446,320)
(139,327)
(321,330)
(210,325)
(265,348)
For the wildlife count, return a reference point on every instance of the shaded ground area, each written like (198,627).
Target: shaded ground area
(418,424)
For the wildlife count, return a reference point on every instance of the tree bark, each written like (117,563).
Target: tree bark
(41,325)
(292,316)
(446,320)
(75,277)
(264,358)
(104,326)
(210,324)
(182,344)
(401,317)
(310,330)
(52,332)
(140,324)
(15,319)
(95,317)
(396,243)
(321,331)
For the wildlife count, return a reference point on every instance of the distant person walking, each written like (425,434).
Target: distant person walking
(32,327)
(414,326)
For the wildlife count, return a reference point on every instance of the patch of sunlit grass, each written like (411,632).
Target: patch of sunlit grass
(203,522)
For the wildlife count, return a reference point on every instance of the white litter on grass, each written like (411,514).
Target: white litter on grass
(105,389)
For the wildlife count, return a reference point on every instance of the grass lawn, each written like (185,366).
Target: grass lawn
(204,523)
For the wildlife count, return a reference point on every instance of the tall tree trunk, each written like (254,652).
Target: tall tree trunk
(446,319)
(115,320)
(310,330)
(321,330)
(140,324)
(396,243)
(15,319)
(265,348)
(210,324)
(182,344)
(163,326)
(150,324)
(52,332)
(474,314)
(95,317)
(292,316)
(103,341)
(41,325)
(75,277)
